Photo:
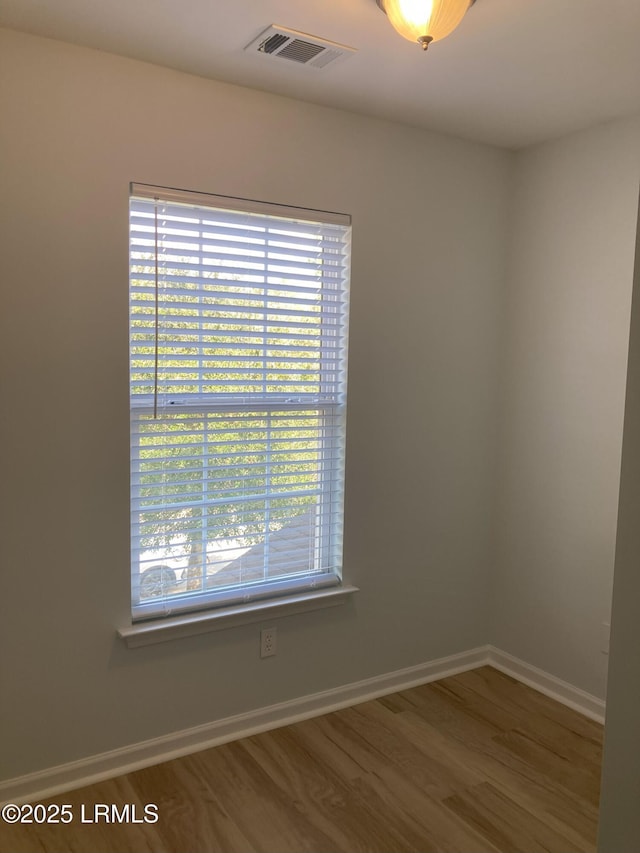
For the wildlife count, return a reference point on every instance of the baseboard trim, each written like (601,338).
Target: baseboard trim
(96,768)
(586,704)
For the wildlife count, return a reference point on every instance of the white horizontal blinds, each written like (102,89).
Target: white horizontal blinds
(238,371)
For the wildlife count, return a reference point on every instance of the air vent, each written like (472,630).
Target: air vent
(301,48)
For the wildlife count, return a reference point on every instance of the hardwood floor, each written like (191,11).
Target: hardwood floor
(475,763)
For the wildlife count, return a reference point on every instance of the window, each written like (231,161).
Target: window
(238,331)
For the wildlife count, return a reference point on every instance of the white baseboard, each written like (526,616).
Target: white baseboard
(586,704)
(95,768)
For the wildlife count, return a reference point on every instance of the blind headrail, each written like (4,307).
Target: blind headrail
(245,205)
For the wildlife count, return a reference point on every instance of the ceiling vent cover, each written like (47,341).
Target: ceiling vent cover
(283,43)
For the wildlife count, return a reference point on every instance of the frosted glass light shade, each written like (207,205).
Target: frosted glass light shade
(425,21)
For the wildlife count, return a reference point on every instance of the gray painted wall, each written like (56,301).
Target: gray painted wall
(567,312)
(619,811)
(465,395)
(430,221)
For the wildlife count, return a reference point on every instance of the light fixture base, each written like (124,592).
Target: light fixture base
(380,5)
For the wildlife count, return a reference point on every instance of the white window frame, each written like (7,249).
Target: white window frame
(245,602)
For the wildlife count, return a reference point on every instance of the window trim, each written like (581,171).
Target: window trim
(205,621)
(216,614)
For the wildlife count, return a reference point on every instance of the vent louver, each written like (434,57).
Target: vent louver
(300,51)
(301,48)
(273,43)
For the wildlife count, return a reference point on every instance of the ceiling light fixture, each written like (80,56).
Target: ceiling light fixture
(425,21)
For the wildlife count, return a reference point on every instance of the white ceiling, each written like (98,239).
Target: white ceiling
(515,72)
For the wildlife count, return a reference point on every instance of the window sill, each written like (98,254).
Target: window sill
(190,624)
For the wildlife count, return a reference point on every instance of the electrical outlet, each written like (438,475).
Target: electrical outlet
(268,642)
(604,645)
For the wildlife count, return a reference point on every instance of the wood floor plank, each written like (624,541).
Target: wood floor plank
(445,712)
(475,763)
(371,732)
(556,725)
(500,820)
(324,805)
(200,816)
(581,780)
(570,813)
(437,829)
(309,779)
(489,709)
(523,698)
(269,818)
(394,783)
